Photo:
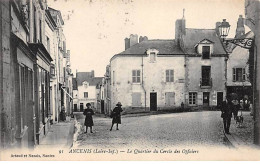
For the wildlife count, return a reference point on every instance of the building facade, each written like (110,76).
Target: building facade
(169,74)
(28,53)
(86,89)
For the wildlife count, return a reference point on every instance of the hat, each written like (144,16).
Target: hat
(119,104)
(88,104)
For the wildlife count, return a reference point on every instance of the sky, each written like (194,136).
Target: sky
(95,29)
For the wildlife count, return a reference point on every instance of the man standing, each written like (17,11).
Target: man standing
(227,108)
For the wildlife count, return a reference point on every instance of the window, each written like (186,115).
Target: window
(239,74)
(205,52)
(152,57)
(52,70)
(86,94)
(114,77)
(192,98)
(136,76)
(40,26)
(205,76)
(48,43)
(169,75)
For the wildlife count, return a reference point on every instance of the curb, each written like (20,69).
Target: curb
(77,129)
(237,143)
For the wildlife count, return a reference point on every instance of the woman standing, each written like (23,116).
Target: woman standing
(116,115)
(88,119)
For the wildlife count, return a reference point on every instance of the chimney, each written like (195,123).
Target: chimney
(133,39)
(240,31)
(217,27)
(180,26)
(127,43)
(92,73)
(145,38)
(141,39)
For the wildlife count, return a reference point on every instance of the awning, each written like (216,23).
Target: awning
(67,93)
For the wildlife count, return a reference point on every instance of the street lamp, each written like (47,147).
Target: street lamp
(224,29)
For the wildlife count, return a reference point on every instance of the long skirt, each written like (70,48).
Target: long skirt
(116,119)
(89,121)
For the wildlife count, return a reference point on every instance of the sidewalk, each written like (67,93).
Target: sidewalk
(242,136)
(60,135)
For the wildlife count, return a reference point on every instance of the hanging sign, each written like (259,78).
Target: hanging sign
(244,43)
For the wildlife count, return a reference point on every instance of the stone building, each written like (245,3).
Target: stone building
(252,20)
(164,74)
(86,89)
(237,65)
(27,53)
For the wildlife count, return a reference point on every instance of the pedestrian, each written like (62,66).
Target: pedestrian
(236,107)
(116,115)
(88,119)
(226,114)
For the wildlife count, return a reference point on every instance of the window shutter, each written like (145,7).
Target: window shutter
(164,76)
(244,74)
(172,75)
(234,74)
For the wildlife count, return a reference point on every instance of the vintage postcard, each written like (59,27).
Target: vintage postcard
(129,80)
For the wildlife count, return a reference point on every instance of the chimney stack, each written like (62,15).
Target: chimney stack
(127,43)
(217,27)
(92,73)
(141,39)
(133,39)
(180,26)
(240,31)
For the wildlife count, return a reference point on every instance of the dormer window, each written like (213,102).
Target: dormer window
(205,48)
(85,84)
(152,57)
(152,54)
(205,52)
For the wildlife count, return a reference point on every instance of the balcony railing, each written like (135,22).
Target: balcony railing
(206,82)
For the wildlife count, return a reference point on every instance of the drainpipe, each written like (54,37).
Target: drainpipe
(143,82)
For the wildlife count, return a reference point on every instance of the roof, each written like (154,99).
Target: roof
(88,76)
(74,84)
(165,47)
(54,13)
(194,36)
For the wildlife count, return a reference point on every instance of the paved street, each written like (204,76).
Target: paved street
(165,130)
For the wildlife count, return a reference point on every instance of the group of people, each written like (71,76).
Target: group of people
(228,107)
(115,115)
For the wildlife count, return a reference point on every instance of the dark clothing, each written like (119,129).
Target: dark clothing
(88,119)
(236,107)
(227,109)
(116,115)
(226,122)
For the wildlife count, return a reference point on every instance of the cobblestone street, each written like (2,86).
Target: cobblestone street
(162,131)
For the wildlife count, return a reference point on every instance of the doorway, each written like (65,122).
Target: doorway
(153,101)
(81,107)
(75,107)
(102,107)
(206,99)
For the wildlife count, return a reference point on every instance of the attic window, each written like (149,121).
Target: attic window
(205,52)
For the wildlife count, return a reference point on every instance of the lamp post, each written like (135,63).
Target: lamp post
(224,29)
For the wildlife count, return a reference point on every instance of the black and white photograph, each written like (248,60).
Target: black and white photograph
(129,80)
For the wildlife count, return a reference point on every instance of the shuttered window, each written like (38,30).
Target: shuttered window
(169,75)
(239,74)
(136,76)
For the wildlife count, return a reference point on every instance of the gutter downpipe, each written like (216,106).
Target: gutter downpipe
(143,82)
